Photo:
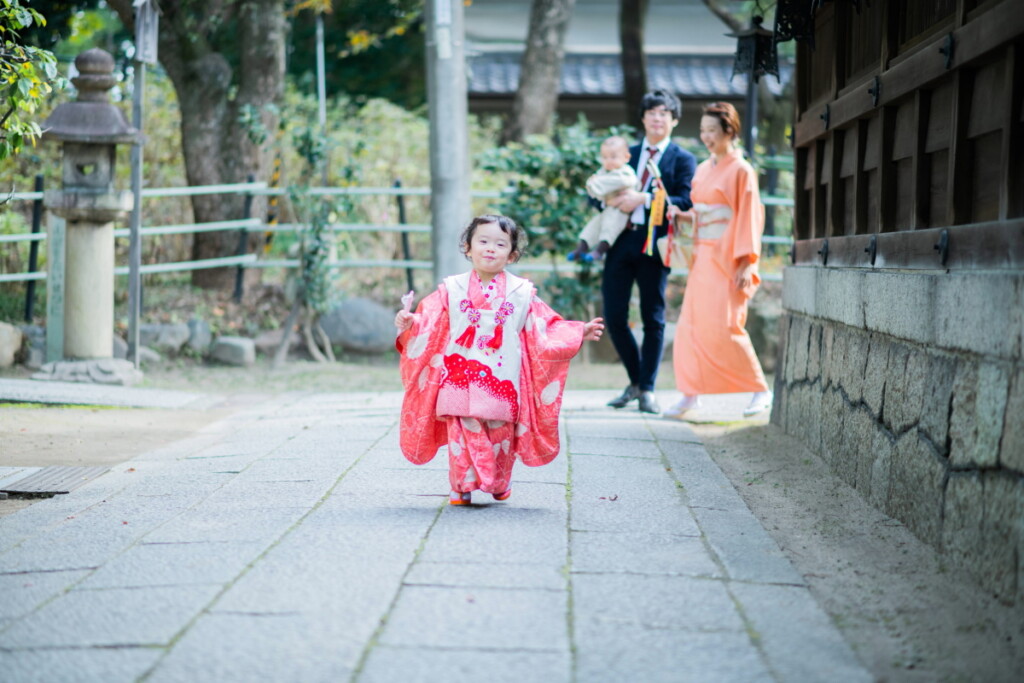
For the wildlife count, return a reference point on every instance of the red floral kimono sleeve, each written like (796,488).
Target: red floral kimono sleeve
(422,347)
(549,342)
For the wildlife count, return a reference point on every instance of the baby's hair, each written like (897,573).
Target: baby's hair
(616,140)
(508,226)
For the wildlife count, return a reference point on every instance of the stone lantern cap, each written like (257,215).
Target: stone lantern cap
(91,118)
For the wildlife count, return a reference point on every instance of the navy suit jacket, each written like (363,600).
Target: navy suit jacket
(677,167)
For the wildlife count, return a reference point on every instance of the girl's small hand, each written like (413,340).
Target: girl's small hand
(592,331)
(404,320)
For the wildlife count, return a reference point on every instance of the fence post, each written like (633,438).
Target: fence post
(400,198)
(33,250)
(243,241)
(54,287)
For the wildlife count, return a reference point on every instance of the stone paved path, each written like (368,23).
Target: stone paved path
(292,542)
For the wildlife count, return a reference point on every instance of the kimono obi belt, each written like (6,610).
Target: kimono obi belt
(712,220)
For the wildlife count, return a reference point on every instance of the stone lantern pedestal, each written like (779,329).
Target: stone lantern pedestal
(89,128)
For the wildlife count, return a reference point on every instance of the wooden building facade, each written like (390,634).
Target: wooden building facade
(900,361)
(909,117)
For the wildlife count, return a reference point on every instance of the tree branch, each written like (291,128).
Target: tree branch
(4,120)
(727,17)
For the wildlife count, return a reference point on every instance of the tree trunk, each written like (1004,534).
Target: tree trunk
(632,14)
(198,57)
(541,70)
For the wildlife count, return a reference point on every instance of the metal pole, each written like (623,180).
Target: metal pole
(321,88)
(750,129)
(33,251)
(321,85)
(449,144)
(135,243)
(243,241)
(772,184)
(405,236)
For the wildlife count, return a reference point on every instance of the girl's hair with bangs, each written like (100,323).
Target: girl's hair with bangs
(508,226)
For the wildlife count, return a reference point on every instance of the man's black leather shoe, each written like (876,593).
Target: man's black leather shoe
(632,392)
(648,404)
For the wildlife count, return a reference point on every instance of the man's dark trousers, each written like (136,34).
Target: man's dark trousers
(625,263)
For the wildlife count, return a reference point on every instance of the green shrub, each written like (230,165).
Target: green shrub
(546,194)
(547,176)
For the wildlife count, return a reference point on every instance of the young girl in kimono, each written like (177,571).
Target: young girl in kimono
(483,363)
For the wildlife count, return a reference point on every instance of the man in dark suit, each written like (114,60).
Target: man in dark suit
(626,263)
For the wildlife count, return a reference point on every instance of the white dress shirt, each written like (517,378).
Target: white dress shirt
(637,217)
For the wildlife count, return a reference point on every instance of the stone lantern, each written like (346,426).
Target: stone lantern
(89,128)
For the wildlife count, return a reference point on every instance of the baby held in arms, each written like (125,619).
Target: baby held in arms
(615,175)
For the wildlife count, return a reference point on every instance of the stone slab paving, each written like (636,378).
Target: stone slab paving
(291,542)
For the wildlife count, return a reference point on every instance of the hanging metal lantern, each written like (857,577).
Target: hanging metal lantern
(755,52)
(794,20)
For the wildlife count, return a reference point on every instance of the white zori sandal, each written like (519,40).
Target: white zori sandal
(760,402)
(682,406)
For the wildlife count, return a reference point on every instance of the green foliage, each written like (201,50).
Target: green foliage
(27,76)
(251,121)
(547,178)
(12,304)
(315,241)
(317,213)
(64,21)
(15,258)
(547,195)
(576,297)
(371,145)
(374,48)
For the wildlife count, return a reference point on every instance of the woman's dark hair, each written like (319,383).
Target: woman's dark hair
(662,98)
(508,226)
(726,115)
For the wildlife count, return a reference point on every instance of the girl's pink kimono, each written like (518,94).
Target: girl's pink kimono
(484,369)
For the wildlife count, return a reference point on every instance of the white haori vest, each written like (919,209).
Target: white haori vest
(480,380)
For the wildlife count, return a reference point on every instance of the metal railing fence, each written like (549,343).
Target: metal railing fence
(248,223)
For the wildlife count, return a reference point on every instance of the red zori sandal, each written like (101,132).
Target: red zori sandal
(502,496)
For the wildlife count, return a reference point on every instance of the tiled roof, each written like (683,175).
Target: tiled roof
(601,75)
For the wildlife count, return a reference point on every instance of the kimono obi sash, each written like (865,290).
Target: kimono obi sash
(480,375)
(712,220)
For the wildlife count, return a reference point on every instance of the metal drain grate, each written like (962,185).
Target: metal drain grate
(49,481)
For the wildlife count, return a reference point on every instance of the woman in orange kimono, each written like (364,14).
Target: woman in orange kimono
(484,363)
(712,353)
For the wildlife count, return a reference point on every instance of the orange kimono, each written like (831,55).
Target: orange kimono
(712,353)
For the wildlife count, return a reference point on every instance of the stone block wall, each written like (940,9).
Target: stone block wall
(911,387)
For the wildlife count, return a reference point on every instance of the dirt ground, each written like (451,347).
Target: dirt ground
(84,436)
(909,616)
